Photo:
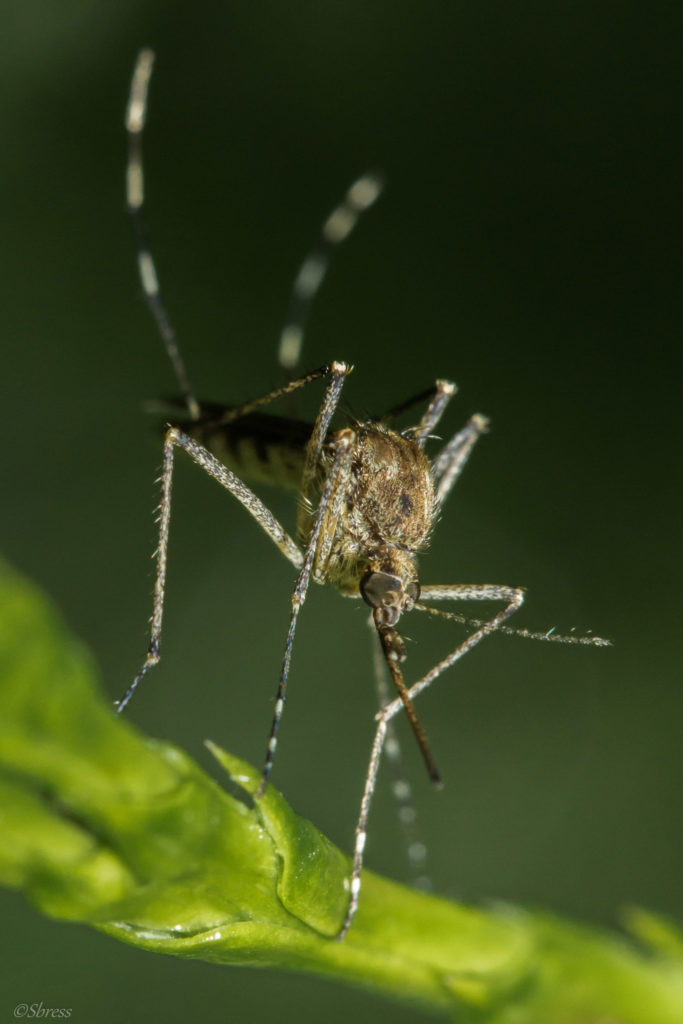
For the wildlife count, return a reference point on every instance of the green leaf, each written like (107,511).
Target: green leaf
(101,825)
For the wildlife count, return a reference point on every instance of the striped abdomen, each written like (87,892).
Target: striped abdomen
(259,448)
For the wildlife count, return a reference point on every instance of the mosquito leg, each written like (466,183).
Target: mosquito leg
(135,191)
(175,438)
(546,636)
(236,413)
(362,826)
(408,403)
(429,395)
(338,373)
(513,596)
(338,226)
(449,463)
(342,449)
(277,455)
(135,122)
(415,849)
(384,717)
(443,393)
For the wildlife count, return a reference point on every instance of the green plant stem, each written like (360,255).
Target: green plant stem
(102,826)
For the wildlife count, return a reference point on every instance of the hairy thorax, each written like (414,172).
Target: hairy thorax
(385,509)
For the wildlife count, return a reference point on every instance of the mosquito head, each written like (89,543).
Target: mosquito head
(389,596)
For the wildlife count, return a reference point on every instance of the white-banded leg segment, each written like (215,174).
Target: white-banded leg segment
(136,113)
(443,393)
(450,462)
(338,226)
(513,596)
(416,851)
(342,452)
(362,826)
(176,438)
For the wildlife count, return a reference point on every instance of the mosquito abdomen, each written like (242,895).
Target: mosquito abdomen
(259,448)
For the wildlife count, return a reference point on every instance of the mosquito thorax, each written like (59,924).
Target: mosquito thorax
(383,515)
(392,490)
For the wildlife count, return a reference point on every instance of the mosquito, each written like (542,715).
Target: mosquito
(369,495)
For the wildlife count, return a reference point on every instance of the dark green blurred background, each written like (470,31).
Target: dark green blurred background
(527,247)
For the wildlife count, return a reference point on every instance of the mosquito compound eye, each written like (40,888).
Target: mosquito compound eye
(380,589)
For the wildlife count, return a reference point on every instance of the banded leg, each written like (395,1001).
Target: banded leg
(416,850)
(175,438)
(331,492)
(514,597)
(362,826)
(450,462)
(338,226)
(135,122)
(136,114)
(342,449)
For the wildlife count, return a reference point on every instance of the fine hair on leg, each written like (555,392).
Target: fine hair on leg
(176,438)
(341,449)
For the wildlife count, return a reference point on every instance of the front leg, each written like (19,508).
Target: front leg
(176,438)
(332,493)
(513,597)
